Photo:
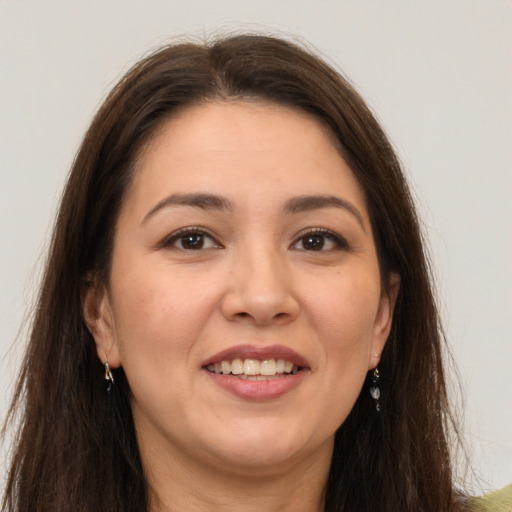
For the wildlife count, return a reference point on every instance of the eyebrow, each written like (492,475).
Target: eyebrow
(316,202)
(215,202)
(196,200)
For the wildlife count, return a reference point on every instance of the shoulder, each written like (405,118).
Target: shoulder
(498,501)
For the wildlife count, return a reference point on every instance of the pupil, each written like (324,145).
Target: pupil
(194,241)
(314,243)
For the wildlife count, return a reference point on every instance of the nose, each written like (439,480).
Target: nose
(259,289)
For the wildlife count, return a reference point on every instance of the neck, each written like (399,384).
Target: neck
(177,484)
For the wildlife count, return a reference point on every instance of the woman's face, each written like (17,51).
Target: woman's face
(245,301)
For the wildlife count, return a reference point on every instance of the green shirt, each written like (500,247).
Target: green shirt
(498,501)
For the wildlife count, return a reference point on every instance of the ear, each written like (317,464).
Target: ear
(99,318)
(384,319)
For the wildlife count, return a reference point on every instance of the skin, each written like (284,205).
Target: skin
(255,279)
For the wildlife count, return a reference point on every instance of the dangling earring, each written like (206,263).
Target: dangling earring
(109,378)
(374,389)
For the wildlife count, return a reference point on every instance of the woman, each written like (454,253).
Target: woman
(237,311)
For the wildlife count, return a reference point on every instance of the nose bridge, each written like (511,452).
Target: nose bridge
(260,284)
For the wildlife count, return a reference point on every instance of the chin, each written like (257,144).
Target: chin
(262,444)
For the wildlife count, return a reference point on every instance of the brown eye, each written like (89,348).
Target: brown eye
(313,242)
(319,240)
(190,240)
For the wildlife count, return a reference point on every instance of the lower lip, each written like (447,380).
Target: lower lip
(257,390)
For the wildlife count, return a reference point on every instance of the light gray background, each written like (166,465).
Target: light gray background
(437,73)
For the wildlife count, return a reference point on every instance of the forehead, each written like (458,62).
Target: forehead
(242,148)
(238,118)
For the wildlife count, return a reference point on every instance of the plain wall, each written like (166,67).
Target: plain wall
(438,74)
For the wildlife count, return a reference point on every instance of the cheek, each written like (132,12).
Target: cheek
(345,308)
(159,315)
(159,319)
(343,318)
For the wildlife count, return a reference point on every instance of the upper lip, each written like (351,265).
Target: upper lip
(258,352)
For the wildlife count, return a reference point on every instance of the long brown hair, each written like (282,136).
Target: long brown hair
(76,447)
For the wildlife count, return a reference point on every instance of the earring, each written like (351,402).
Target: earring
(374,389)
(109,378)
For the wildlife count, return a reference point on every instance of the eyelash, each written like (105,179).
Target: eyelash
(339,242)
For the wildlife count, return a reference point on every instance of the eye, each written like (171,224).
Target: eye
(319,240)
(190,239)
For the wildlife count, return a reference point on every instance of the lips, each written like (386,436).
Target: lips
(254,372)
(258,353)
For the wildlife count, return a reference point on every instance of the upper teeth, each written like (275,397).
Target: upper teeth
(253,367)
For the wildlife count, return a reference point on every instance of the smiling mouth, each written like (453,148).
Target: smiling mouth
(254,369)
